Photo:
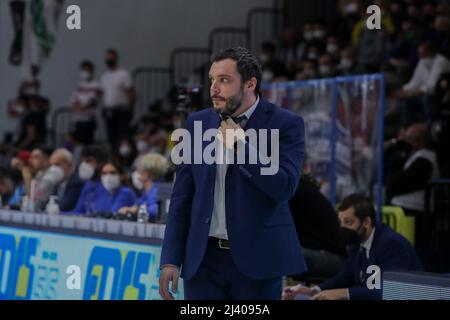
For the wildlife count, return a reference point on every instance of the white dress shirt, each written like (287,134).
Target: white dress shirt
(218,228)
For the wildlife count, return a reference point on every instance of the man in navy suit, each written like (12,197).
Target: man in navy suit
(371,244)
(69,188)
(229,229)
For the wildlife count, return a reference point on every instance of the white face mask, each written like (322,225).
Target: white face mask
(312,56)
(346,63)
(142,146)
(263,58)
(136,179)
(86,171)
(55,174)
(110,181)
(324,70)
(332,48)
(308,35)
(267,76)
(319,34)
(124,150)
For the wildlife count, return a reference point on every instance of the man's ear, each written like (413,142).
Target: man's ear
(367,222)
(252,83)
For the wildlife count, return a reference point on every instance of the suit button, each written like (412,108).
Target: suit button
(208,220)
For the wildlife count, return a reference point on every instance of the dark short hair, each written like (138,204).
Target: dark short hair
(46,150)
(113,52)
(96,152)
(362,205)
(247,64)
(116,164)
(87,64)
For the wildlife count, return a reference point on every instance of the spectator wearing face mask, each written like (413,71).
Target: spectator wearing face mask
(333,47)
(312,53)
(107,195)
(19,161)
(307,71)
(347,62)
(127,152)
(370,243)
(31,107)
(92,160)
(151,168)
(44,178)
(272,66)
(70,184)
(326,66)
(118,98)
(83,103)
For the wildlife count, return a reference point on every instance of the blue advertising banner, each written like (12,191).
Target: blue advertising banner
(37,265)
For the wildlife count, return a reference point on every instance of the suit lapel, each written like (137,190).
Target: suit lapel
(259,116)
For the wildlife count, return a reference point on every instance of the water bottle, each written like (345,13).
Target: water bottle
(142,216)
(52,206)
(24,204)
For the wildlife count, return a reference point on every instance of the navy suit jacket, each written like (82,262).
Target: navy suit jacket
(263,239)
(71,193)
(390,251)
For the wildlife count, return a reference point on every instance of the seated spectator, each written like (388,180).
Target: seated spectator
(317,227)
(32,109)
(92,160)
(333,47)
(19,161)
(106,196)
(271,65)
(403,55)
(427,72)
(83,103)
(127,152)
(422,84)
(44,178)
(326,66)
(307,71)
(406,188)
(150,169)
(370,243)
(69,188)
(347,63)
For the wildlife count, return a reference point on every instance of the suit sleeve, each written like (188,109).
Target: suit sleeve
(178,218)
(278,179)
(81,203)
(344,279)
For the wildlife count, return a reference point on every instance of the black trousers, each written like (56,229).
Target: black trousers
(84,132)
(117,122)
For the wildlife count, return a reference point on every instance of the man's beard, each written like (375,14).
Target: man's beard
(232,104)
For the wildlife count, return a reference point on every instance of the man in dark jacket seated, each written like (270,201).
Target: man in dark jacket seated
(374,249)
(318,230)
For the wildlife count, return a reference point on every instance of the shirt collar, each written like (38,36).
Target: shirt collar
(368,243)
(250,110)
